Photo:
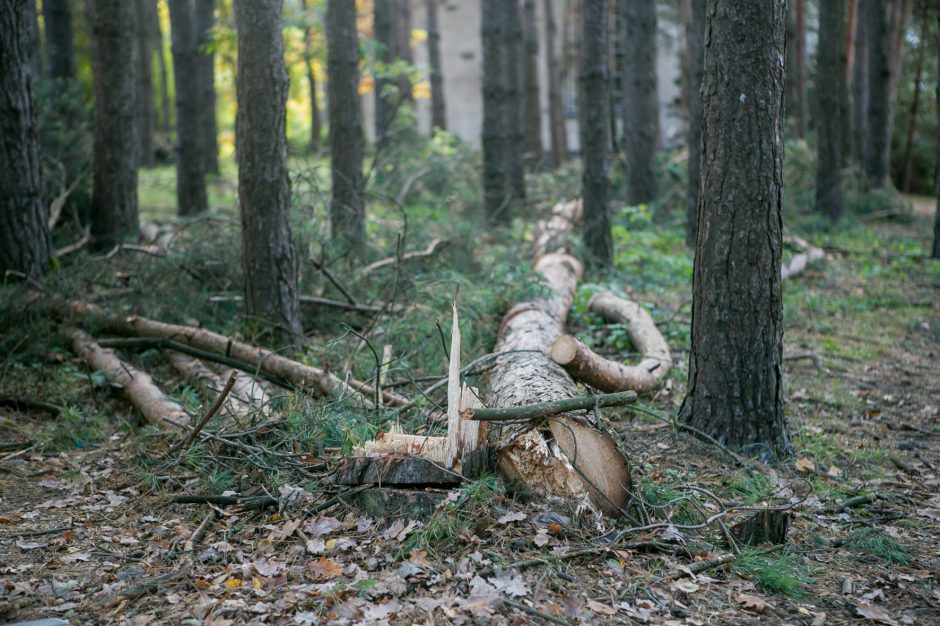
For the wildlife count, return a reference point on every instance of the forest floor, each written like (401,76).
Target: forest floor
(90,531)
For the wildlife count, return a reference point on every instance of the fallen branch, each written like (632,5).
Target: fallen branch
(408,256)
(300,374)
(553,407)
(327,302)
(699,567)
(77,245)
(140,389)
(210,413)
(149,586)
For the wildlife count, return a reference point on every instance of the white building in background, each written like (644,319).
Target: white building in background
(462,70)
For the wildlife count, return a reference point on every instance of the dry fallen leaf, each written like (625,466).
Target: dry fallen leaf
(541,538)
(512,516)
(874,613)
(324,569)
(804,464)
(752,603)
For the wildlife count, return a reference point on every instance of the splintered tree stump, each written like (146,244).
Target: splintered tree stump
(767,526)
(389,503)
(609,376)
(394,471)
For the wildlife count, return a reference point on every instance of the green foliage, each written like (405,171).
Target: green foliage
(75,428)
(783,574)
(878,543)
(474,501)
(750,487)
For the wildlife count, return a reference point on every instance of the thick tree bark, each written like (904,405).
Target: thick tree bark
(878,146)
(515,100)
(268,260)
(496,191)
(936,220)
(24,236)
(860,88)
(848,132)
(347,211)
(695,38)
(640,101)
(157,32)
(735,386)
(830,85)
(315,131)
(60,47)
(533,115)
(438,108)
(190,160)
(205,73)
(556,110)
(403,45)
(799,47)
(595,129)
(116,152)
(35,48)
(385,33)
(145,112)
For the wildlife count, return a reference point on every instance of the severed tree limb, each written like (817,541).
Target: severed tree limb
(137,385)
(606,375)
(327,302)
(546,409)
(408,256)
(300,374)
(210,413)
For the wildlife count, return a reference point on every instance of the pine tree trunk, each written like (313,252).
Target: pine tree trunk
(735,386)
(314,145)
(268,260)
(556,110)
(796,65)
(403,45)
(190,160)
(915,103)
(515,121)
(347,212)
(438,111)
(157,33)
(878,147)
(386,37)
(24,237)
(860,88)
(145,112)
(205,72)
(830,85)
(696,45)
(640,101)
(936,218)
(116,151)
(848,135)
(533,115)
(35,54)
(496,191)
(595,129)
(60,47)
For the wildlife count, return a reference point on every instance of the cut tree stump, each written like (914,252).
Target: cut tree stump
(609,376)
(767,526)
(395,471)
(140,389)
(390,503)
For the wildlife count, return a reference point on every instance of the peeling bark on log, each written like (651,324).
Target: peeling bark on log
(140,389)
(208,382)
(568,456)
(609,376)
(324,382)
(554,233)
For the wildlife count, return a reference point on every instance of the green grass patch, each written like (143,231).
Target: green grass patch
(783,574)
(877,543)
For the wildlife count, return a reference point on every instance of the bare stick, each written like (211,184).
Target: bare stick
(210,413)
(336,282)
(546,409)
(200,532)
(408,256)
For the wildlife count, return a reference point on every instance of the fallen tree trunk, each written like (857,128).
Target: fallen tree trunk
(140,389)
(568,456)
(300,374)
(609,376)
(208,383)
